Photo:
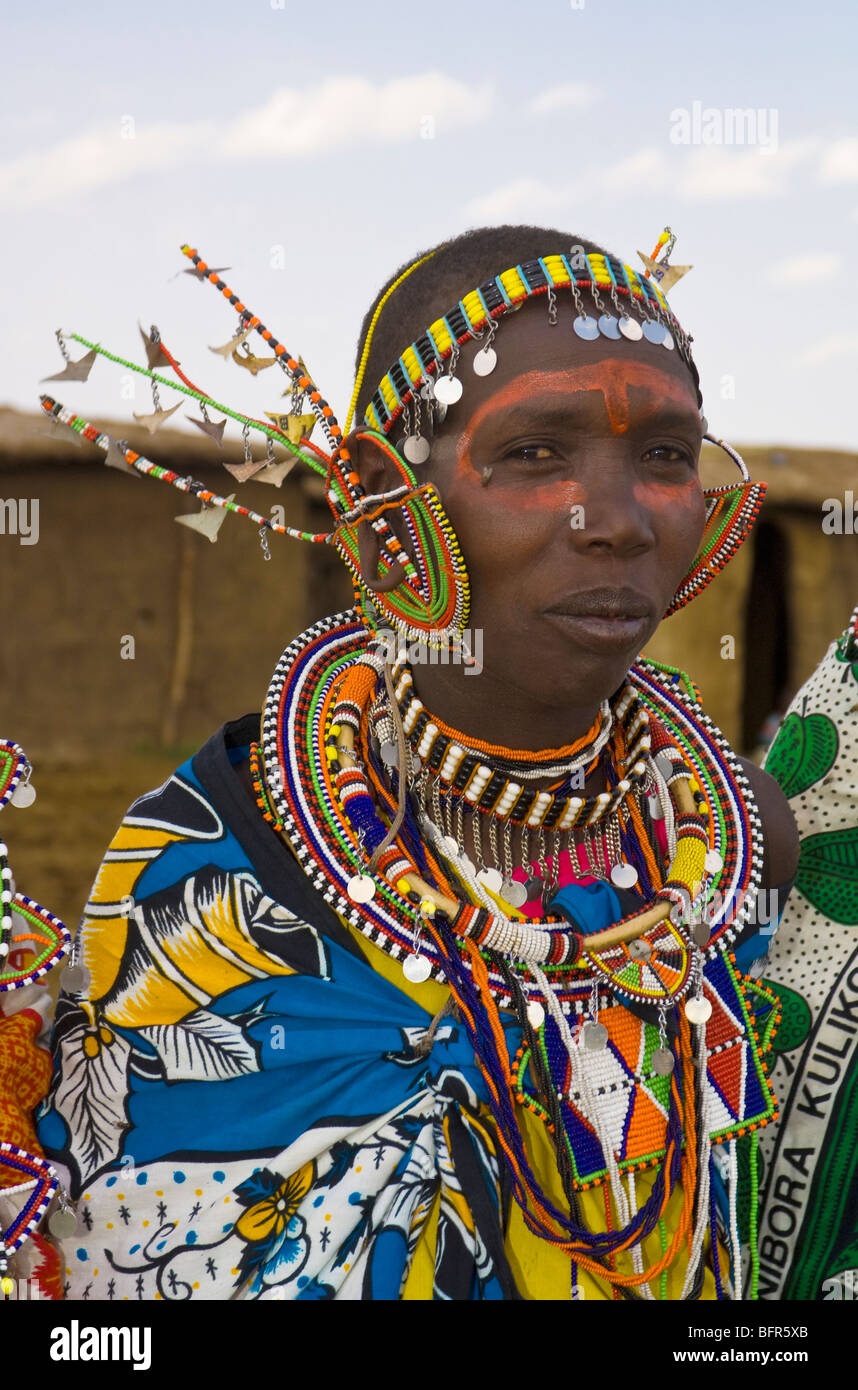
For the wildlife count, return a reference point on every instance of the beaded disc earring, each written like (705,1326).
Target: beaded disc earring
(731,513)
(427,597)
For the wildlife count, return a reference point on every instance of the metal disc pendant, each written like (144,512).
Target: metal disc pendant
(448,389)
(416,969)
(75,979)
(389,753)
(535,1014)
(595,1036)
(62,1223)
(667,341)
(491,879)
(24,794)
(713,863)
(361,888)
(653,331)
(586,327)
(662,1061)
(416,764)
(624,875)
(467,863)
(533,888)
(485,361)
(698,1010)
(656,809)
(608,326)
(416,448)
(513,892)
(701,934)
(640,948)
(450,845)
(631,329)
(664,764)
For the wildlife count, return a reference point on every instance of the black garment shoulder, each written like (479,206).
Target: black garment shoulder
(276,867)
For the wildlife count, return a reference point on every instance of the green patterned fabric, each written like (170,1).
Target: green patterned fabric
(808,1216)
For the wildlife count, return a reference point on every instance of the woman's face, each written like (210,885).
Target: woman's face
(594,509)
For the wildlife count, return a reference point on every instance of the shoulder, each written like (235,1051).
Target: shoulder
(781,831)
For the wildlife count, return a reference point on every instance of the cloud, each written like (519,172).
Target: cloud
(576,96)
(840,162)
(536,198)
(101,156)
(796,270)
(292,124)
(700,174)
(351,110)
(841,345)
(531,198)
(722,173)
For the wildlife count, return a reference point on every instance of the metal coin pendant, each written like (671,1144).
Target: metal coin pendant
(24,794)
(513,892)
(624,875)
(713,863)
(467,863)
(608,326)
(485,361)
(416,969)
(533,888)
(416,764)
(62,1224)
(664,764)
(416,448)
(656,809)
(631,329)
(448,389)
(361,888)
(640,948)
(586,327)
(701,934)
(662,1061)
(653,331)
(491,879)
(535,1014)
(450,845)
(595,1036)
(389,752)
(667,341)
(698,1010)
(75,978)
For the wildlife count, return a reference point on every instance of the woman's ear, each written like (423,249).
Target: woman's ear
(376,471)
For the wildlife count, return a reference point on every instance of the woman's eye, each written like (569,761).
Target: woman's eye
(667,453)
(532,453)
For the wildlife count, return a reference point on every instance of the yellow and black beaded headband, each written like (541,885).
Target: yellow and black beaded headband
(418,375)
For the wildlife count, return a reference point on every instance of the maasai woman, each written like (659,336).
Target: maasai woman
(431,984)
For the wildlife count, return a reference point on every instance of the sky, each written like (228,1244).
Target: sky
(314,148)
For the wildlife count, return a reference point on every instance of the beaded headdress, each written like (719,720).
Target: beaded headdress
(427,591)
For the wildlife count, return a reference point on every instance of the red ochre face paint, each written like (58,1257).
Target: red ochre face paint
(612,378)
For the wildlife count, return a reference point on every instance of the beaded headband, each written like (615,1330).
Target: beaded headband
(475,317)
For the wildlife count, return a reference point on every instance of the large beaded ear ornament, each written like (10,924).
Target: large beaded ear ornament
(428,597)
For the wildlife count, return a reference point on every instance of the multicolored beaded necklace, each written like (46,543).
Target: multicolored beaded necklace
(383,865)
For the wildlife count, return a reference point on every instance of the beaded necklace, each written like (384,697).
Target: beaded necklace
(315,782)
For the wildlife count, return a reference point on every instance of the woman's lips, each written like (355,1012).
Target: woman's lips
(605,632)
